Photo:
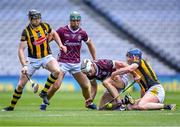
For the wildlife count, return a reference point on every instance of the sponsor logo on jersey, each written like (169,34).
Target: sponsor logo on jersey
(39,41)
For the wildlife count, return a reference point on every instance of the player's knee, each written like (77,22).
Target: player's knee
(56,73)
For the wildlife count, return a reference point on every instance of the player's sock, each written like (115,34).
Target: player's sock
(170,106)
(50,80)
(128,99)
(16,97)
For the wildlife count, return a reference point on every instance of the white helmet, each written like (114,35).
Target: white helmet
(86,65)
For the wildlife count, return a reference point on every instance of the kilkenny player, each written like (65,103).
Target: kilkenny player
(152,91)
(35,36)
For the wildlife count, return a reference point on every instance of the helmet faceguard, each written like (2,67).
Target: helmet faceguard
(34,14)
(86,65)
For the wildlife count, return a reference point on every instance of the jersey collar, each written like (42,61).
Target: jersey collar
(73,31)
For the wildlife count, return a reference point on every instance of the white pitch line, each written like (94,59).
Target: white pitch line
(75,115)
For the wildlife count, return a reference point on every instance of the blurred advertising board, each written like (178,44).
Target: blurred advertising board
(8,83)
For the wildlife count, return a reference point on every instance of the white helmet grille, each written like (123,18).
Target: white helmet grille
(86,65)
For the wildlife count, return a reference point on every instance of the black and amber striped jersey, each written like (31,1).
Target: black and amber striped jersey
(37,42)
(148,76)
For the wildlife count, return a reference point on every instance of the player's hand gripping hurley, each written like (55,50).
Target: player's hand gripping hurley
(125,89)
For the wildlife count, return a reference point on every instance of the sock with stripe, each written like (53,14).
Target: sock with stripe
(50,80)
(16,97)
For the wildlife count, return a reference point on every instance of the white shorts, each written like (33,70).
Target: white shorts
(35,64)
(72,68)
(158,91)
(127,79)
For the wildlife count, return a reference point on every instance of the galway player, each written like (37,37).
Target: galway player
(72,36)
(102,69)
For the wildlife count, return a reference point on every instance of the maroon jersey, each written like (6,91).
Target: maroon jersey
(73,41)
(104,68)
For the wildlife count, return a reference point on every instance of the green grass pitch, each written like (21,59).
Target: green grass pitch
(67,109)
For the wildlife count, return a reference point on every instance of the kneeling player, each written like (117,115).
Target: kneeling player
(153,93)
(101,70)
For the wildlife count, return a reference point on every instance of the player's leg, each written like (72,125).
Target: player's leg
(52,90)
(53,67)
(153,100)
(110,84)
(17,93)
(64,67)
(50,64)
(56,85)
(148,103)
(106,97)
(121,82)
(84,84)
(20,86)
(133,106)
(83,81)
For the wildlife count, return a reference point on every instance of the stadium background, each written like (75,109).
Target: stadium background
(116,26)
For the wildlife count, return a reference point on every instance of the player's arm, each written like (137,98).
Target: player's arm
(137,77)
(49,38)
(22,57)
(21,54)
(119,64)
(93,88)
(58,40)
(142,92)
(124,70)
(91,48)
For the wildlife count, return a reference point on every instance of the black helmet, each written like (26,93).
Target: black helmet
(34,14)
